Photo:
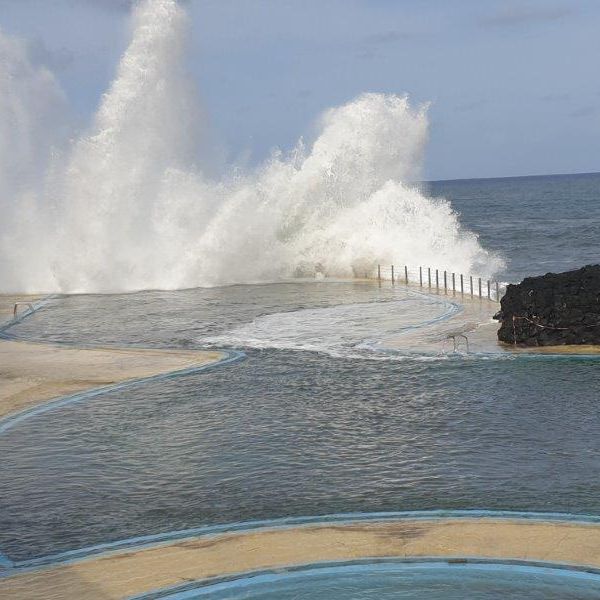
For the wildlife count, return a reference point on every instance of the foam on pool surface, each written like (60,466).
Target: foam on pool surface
(400,580)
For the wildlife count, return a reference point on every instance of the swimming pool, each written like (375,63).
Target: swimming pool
(395,580)
(289,432)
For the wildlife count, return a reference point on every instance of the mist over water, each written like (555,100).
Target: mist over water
(131,203)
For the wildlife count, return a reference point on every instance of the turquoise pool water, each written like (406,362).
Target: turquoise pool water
(400,581)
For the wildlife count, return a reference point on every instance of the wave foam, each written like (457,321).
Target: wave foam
(129,208)
(341,331)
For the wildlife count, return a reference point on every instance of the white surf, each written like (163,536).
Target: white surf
(129,204)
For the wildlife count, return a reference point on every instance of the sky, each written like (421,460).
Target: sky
(513,86)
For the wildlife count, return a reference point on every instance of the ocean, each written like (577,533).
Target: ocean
(540,224)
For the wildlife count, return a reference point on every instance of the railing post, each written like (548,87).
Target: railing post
(429,276)
(497,292)
(471,282)
(421,276)
(17,304)
(454,282)
(406,274)
(480,287)
(437,279)
(489,290)
(378,272)
(392,274)
(462,284)
(445,283)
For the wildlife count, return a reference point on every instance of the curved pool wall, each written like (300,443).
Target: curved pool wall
(13,420)
(412,311)
(291,523)
(414,410)
(485,555)
(18,318)
(193,319)
(9,421)
(389,579)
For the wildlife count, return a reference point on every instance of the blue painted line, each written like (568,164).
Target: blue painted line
(26,313)
(167,537)
(10,421)
(453,308)
(5,562)
(160,539)
(368,566)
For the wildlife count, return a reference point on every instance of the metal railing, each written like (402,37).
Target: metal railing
(17,304)
(441,281)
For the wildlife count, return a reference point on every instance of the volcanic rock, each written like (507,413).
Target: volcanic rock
(553,309)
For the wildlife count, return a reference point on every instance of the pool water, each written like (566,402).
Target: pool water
(336,318)
(290,431)
(402,581)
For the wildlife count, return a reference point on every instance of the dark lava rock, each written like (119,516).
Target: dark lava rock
(553,309)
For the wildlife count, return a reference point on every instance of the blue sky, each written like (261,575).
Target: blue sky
(513,86)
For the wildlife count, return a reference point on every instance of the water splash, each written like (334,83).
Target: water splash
(131,206)
(33,127)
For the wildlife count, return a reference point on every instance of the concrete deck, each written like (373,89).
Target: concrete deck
(126,573)
(32,373)
(475,321)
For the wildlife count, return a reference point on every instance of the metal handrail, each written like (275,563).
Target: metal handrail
(439,279)
(17,304)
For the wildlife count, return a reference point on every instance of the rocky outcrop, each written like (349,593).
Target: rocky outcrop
(553,309)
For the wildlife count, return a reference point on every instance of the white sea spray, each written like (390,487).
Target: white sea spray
(129,204)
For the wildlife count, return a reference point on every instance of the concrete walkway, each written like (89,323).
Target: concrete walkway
(130,572)
(32,373)
(474,319)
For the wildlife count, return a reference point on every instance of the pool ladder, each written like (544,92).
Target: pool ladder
(17,304)
(456,337)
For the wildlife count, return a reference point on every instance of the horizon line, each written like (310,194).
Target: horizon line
(531,176)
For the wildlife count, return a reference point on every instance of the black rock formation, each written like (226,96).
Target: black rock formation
(553,309)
